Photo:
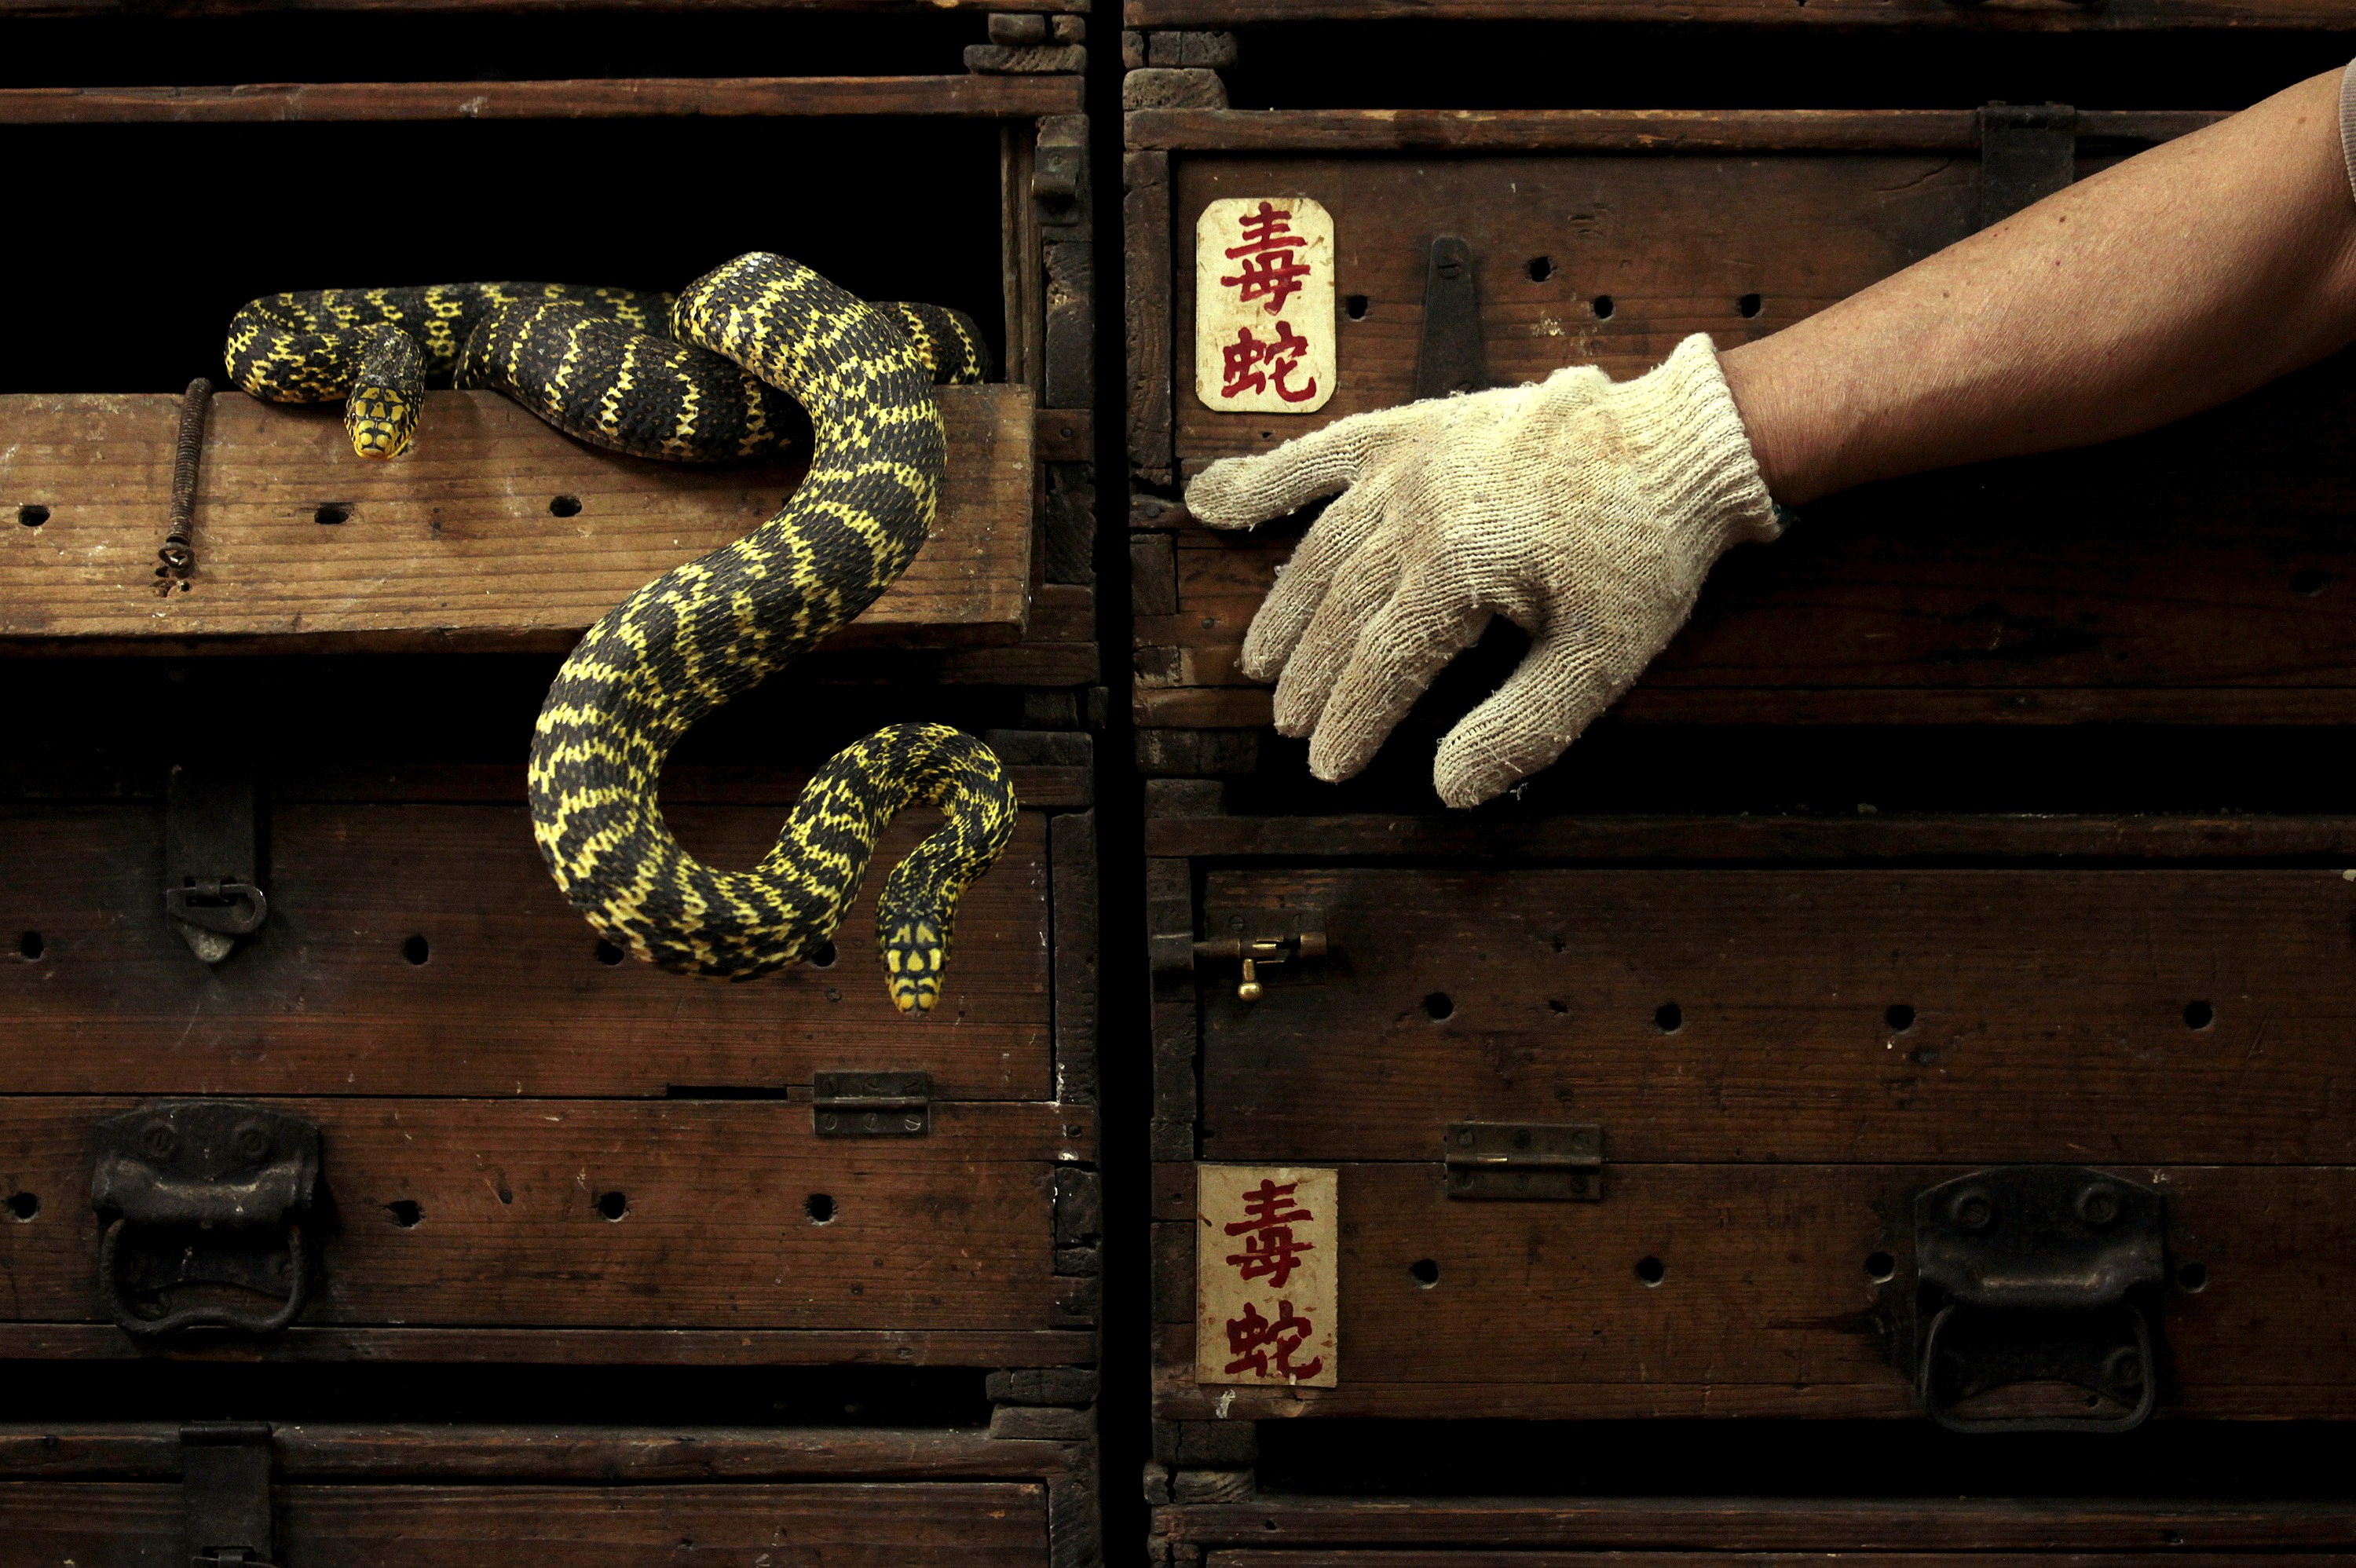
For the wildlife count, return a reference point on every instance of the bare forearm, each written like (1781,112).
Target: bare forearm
(2167,283)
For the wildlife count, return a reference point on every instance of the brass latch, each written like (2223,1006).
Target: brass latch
(1257,950)
(1534,1162)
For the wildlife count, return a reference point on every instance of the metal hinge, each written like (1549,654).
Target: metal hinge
(225,1490)
(872,1105)
(1534,1162)
(1449,359)
(212,858)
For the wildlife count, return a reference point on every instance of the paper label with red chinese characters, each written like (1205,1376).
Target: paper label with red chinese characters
(1265,1274)
(1264,306)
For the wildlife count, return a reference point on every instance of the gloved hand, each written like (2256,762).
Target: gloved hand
(1585,511)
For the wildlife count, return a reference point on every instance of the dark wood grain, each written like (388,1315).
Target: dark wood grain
(1147,261)
(2045,1013)
(236,8)
(1475,1556)
(316,1450)
(514,996)
(452,547)
(887,1525)
(1994,835)
(967,97)
(1908,1524)
(1763,1308)
(581,1347)
(1314,132)
(952,1231)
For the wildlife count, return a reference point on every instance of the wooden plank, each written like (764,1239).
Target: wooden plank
(1147,262)
(1680,838)
(884,1525)
(964,97)
(494,532)
(1477,1557)
(1752,1524)
(313,1450)
(576,1347)
(1765,1305)
(23,8)
(2149,1016)
(1315,132)
(505,1215)
(1939,16)
(514,996)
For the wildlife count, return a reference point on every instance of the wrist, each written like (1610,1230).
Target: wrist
(1691,449)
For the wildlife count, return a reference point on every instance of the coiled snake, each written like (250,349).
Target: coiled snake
(589,362)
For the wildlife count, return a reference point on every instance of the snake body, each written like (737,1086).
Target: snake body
(585,360)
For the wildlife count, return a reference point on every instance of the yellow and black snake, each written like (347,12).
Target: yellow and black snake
(590,361)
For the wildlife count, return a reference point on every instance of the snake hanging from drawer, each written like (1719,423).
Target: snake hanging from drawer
(598,364)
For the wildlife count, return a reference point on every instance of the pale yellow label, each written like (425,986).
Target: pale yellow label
(1264,306)
(1266,1273)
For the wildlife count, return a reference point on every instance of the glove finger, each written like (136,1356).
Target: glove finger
(1562,684)
(1404,646)
(1239,492)
(1300,587)
(1325,648)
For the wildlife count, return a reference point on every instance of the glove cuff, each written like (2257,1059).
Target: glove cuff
(1690,446)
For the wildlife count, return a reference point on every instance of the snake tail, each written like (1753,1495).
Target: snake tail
(707,631)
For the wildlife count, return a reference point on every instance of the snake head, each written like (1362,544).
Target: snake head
(380,419)
(913,951)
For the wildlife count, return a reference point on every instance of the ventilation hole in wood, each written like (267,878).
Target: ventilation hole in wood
(1555,1006)
(564,506)
(1668,1017)
(1748,305)
(2309,581)
(502,1193)
(1880,1267)
(416,950)
(822,956)
(1356,306)
(609,955)
(1899,1017)
(1424,1271)
(32,517)
(1602,307)
(1651,1271)
(2193,1277)
(1438,1006)
(329,515)
(613,1205)
(2171,1537)
(1540,268)
(29,945)
(2199,1015)
(21,1206)
(820,1206)
(406,1213)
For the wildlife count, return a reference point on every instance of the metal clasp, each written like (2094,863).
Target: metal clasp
(206,1200)
(212,858)
(1255,951)
(1529,1162)
(2038,1274)
(225,1493)
(1449,359)
(872,1105)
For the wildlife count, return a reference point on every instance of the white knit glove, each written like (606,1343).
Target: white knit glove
(1585,511)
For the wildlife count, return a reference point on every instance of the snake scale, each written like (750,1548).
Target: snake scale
(598,364)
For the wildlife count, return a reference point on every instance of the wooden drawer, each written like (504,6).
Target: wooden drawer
(2154,580)
(1944,15)
(449,1495)
(1774,1062)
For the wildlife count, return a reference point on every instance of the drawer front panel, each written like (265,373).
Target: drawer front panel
(512,995)
(2152,1015)
(711,1214)
(118,1525)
